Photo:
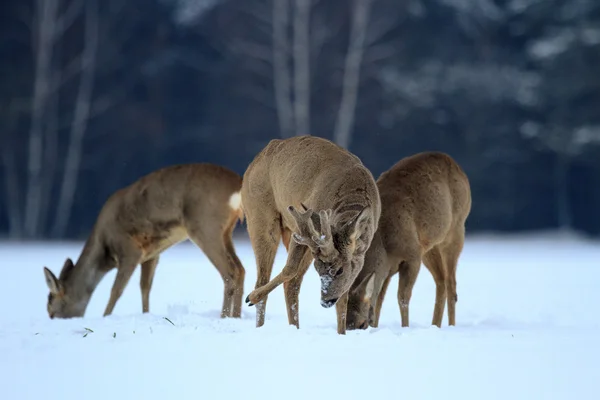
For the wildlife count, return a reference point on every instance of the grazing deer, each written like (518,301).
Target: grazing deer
(201,202)
(323,203)
(425,200)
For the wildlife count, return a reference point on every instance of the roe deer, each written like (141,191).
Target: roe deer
(341,209)
(425,200)
(201,202)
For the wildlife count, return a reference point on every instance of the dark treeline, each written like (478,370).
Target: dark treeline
(94,94)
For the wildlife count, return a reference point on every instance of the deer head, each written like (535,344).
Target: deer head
(334,245)
(61,304)
(360,308)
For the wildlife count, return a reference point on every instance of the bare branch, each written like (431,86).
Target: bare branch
(378,53)
(383,26)
(68,18)
(72,69)
(252,50)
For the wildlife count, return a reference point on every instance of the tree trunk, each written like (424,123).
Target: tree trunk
(13,201)
(281,67)
(47,10)
(302,67)
(80,119)
(561,182)
(351,81)
(50,156)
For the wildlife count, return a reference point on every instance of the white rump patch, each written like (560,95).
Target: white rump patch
(235,201)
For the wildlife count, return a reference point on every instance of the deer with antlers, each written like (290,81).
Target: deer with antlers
(201,202)
(323,203)
(425,200)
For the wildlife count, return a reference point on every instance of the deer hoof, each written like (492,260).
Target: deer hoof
(248,301)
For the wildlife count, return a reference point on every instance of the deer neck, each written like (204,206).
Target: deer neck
(86,275)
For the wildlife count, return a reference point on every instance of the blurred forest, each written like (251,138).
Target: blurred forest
(94,94)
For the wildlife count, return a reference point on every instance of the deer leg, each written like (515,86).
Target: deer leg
(125,270)
(407,276)
(265,234)
(148,269)
(215,250)
(341,308)
(240,274)
(292,289)
(289,271)
(452,252)
(377,311)
(434,262)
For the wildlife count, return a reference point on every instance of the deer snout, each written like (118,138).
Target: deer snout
(328,303)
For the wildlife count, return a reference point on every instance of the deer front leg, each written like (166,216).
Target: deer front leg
(292,290)
(146,279)
(380,298)
(126,268)
(341,307)
(289,271)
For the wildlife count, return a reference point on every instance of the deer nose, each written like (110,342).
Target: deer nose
(52,316)
(328,303)
(364,325)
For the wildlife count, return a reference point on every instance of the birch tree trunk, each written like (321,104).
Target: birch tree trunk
(47,12)
(80,120)
(345,118)
(281,67)
(301,53)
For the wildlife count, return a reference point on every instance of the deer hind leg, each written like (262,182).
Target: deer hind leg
(434,262)
(126,266)
(146,279)
(291,288)
(452,251)
(407,276)
(265,234)
(377,311)
(215,250)
(240,274)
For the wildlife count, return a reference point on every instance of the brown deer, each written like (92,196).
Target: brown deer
(323,203)
(425,200)
(201,202)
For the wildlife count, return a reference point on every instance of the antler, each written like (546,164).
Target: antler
(305,227)
(308,235)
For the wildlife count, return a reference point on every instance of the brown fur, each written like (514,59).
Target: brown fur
(425,199)
(142,220)
(323,203)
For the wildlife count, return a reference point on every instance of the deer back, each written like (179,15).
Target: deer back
(423,198)
(325,196)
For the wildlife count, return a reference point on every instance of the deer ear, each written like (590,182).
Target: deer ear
(352,225)
(51,281)
(66,269)
(369,288)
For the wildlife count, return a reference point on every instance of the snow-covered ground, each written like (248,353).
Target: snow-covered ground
(527,328)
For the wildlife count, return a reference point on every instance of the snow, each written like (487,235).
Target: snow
(527,328)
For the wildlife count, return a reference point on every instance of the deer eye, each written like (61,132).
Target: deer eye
(338,272)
